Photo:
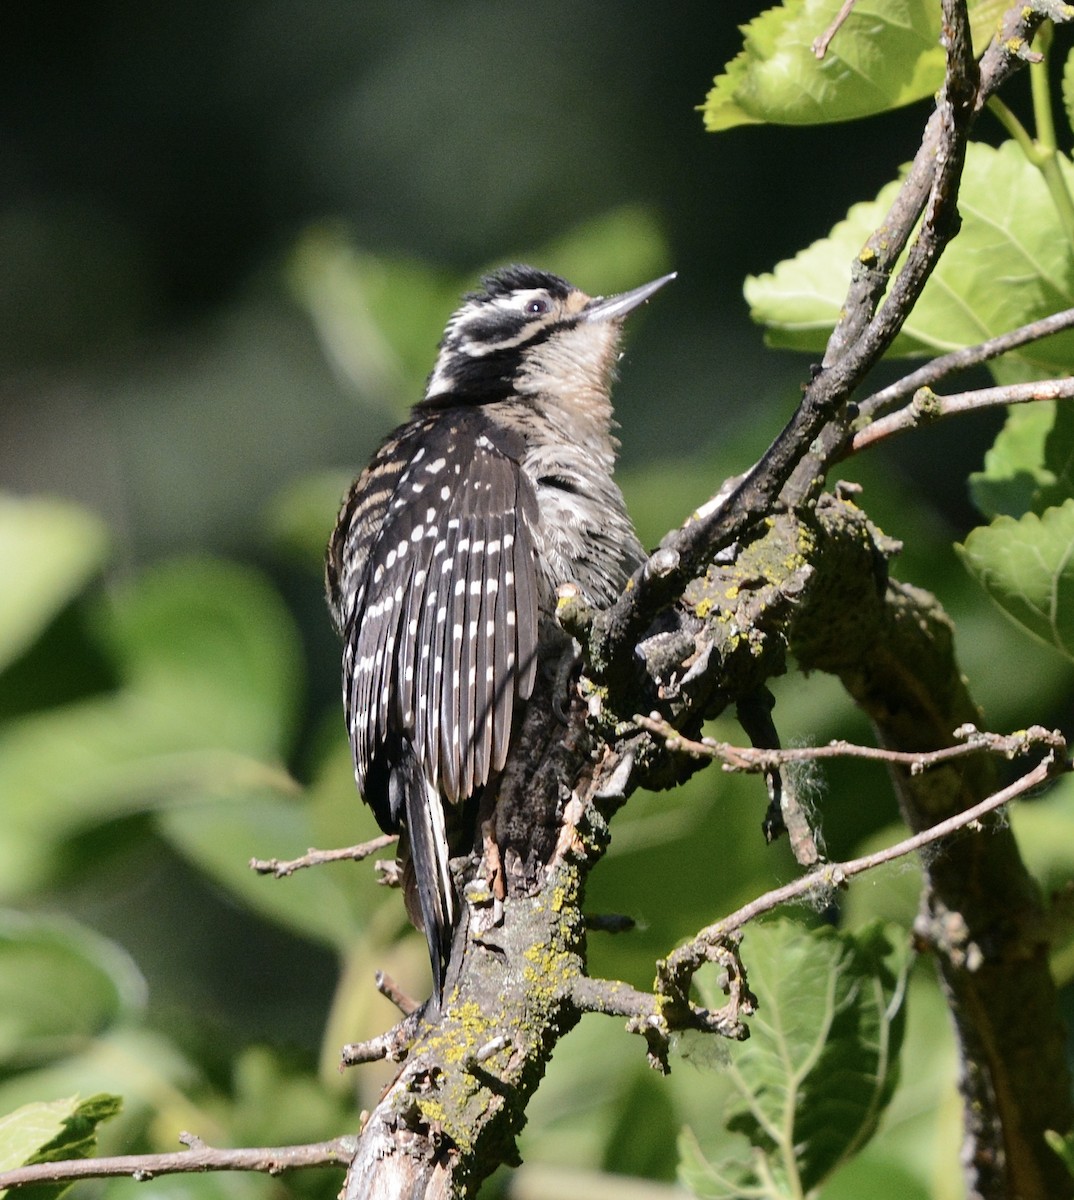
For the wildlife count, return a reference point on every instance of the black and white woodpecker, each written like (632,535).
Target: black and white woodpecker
(451,545)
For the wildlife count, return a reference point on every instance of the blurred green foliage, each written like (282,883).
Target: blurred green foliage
(230,238)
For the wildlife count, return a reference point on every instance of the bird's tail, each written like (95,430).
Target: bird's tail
(429,873)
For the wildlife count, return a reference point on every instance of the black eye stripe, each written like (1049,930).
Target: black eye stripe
(495,326)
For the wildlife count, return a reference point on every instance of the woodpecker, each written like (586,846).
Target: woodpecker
(451,545)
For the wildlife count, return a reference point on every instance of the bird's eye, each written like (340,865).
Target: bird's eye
(538,306)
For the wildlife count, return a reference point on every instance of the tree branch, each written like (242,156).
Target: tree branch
(271,1160)
(959,360)
(825,879)
(753,759)
(820,44)
(657,1015)
(927,407)
(981,913)
(317,858)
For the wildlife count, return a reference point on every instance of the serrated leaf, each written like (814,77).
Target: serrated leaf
(49,550)
(51,1132)
(1010,264)
(1027,567)
(28,1129)
(1014,472)
(886,53)
(821,1062)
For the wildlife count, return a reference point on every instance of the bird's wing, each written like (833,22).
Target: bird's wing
(440,637)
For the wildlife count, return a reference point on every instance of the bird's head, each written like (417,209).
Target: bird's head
(529,332)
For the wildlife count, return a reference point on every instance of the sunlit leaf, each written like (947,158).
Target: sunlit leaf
(1027,567)
(49,550)
(885,54)
(1010,264)
(821,1062)
(30,1128)
(1015,473)
(1063,1146)
(52,1131)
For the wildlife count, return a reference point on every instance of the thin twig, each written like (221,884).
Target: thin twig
(272,1160)
(870,318)
(821,44)
(927,407)
(960,360)
(656,1016)
(752,759)
(824,879)
(317,858)
(390,990)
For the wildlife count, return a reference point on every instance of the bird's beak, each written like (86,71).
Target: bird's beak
(611,308)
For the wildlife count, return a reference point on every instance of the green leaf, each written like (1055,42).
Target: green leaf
(53,1132)
(1014,469)
(884,55)
(1063,1146)
(210,660)
(60,984)
(1026,566)
(300,518)
(1068,89)
(212,643)
(1010,234)
(29,1129)
(821,1062)
(50,551)
(221,837)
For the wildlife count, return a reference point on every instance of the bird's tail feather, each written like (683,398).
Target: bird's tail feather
(429,853)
